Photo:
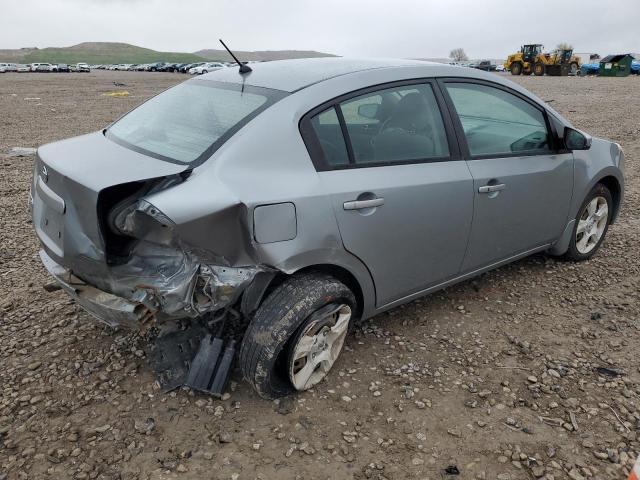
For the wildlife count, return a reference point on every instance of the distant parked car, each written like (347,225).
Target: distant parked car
(82,67)
(206,68)
(500,68)
(34,66)
(188,66)
(23,68)
(2,69)
(154,67)
(9,67)
(485,65)
(62,67)
(43,67)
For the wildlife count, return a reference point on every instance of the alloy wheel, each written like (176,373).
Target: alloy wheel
(592,224)
(318,347)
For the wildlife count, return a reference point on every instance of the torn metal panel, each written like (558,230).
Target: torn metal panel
(129,258)
(166,280)
(110,309)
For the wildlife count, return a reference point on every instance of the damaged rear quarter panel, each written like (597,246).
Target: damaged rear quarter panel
(264,163)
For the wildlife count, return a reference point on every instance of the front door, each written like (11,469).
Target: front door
(402,199)
(522,186)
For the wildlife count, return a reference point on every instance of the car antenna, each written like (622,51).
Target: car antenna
(243,67)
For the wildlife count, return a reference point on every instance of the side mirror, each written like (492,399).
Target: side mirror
(576,140)
(368,110)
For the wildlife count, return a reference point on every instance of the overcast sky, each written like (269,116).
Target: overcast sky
(390,28)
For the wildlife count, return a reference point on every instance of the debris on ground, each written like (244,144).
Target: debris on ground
(21,152)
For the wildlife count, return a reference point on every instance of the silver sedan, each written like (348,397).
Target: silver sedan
(305,194)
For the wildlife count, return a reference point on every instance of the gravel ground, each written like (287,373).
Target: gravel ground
(529,371)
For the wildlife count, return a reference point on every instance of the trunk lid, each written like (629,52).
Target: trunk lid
(68,178)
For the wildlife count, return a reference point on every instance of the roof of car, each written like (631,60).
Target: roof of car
(293,75)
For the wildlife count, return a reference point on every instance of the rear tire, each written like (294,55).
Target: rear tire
(538,69)
(591,225)
(516,68)
(298,310)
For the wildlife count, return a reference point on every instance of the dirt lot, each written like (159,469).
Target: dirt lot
(497,376)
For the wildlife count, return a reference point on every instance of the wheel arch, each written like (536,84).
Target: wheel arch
(362,288)
(614,186)
(609,180)
(342,274)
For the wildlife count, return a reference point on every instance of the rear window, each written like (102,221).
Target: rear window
(188,122)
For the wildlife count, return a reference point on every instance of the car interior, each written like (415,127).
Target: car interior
(404,124)
(396,124)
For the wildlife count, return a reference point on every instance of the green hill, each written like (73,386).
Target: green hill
(260,55)
(96,53)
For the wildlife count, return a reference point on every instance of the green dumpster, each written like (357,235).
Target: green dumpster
(616,65)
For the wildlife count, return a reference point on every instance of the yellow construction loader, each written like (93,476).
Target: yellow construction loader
(530,59)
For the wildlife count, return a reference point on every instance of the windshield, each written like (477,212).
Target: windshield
(186,123)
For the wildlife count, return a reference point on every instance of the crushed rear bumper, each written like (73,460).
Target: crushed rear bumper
(113,310)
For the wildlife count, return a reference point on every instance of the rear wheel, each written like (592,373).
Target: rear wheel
(538,69)
(296,335)
(591,224)
(516,68)
(205,71)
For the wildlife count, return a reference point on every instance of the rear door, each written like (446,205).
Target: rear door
(402,197)
(522,184)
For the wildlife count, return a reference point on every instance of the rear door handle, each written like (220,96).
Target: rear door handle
(361,204)
(492,188)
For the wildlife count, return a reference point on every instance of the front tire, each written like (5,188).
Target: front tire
(591,225)
(296,334)
(516,68)
(538,69)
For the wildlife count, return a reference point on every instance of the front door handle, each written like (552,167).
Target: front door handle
(362,204)
(492,188)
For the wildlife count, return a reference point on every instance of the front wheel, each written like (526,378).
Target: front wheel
(591,224)
(296,335)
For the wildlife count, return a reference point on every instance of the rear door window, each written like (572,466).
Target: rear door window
(404,124)
(329,133)
(401,124)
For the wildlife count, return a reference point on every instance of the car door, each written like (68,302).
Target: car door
(522,183)
(401,195)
